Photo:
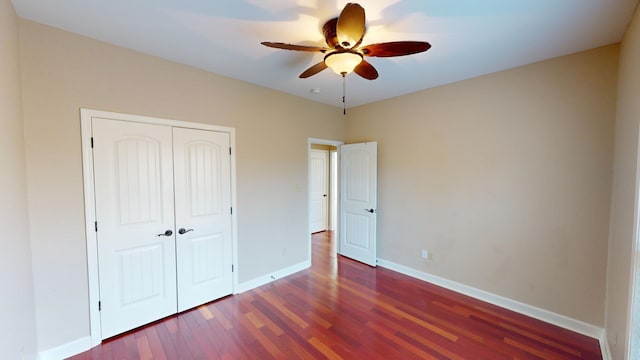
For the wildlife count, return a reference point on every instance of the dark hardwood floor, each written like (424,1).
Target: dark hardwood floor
(340,308)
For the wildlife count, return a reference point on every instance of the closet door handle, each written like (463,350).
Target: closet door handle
(166,233)
(183,231)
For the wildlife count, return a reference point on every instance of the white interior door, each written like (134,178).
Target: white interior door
(319,188)
(135,212)
(358,201)
(203,216)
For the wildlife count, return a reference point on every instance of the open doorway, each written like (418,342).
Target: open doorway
(323,193)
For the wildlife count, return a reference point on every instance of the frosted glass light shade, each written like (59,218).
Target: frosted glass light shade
(342,63)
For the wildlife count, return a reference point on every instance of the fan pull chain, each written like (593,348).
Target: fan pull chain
(344,94)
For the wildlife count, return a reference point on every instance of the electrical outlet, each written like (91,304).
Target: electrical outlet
(425,254)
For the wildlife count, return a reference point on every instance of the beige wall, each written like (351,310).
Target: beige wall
(623,197)
(17,323)
(323,147)
(63,72)
(505,178)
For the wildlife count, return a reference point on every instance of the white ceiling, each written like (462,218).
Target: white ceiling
(468,37)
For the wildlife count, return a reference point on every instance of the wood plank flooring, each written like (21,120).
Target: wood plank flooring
(342,309)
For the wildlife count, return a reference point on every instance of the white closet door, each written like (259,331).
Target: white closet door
(135,211)
(203,216)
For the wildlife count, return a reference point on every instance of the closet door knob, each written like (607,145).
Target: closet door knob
(166,233)
(183,231)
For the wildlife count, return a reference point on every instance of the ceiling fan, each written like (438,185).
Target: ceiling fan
(344,52)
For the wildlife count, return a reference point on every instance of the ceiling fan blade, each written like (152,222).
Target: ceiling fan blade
(366,70)
(313,70)
(329,32)
(350,28)
(396,48)
(279,45)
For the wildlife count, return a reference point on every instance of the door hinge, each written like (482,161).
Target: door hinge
(92,142)
(229,150)
(99,305)
(231,210)
(96,225)
(232,268)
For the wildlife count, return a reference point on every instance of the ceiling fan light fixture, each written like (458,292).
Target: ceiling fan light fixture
(344,54)
(343,63)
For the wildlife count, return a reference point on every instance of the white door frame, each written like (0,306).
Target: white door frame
(633,314)
(333,189)
(311,141)
(634,288)
(86,115)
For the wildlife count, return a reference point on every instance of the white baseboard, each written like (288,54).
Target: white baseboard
(263,280)
(84,344)
(66,350)
(604,346)
(81,345)
(525,309)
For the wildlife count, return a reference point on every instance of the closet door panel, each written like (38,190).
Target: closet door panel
(133,175)
(202,178)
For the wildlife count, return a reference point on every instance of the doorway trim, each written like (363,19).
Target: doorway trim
(633,314)
(634,289)
(86,116)
(317,141)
